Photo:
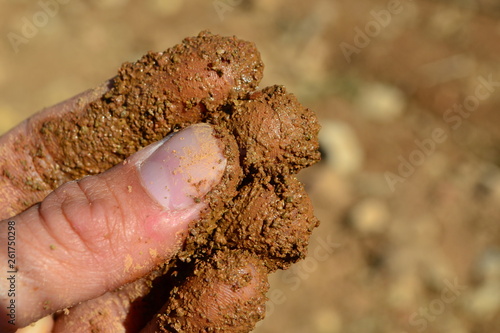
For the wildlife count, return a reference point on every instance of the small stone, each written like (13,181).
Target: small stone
(488,266)
(489,184)
(329,188)
(485,301)
(381,102)
(341,147)
(370,215)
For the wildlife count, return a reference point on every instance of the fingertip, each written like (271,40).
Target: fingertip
(228,300)
(181,170)
(101,232)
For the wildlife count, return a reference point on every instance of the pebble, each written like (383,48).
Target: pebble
(490,183)
(370,215)
(381,102)
(488,266)
(328,187)
(342,149)
(485,301)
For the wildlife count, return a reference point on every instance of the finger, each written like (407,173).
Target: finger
(96,234)
(122,310)
(231,299)
(142,104)
(224,294)
(20,184)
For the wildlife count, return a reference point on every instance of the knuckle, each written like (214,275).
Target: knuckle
(86,216)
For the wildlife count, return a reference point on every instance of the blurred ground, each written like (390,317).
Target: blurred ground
(408,95)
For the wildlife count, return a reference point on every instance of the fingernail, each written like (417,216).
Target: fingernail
(182,168)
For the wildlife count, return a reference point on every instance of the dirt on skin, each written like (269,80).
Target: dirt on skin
(224,293)
(160,93)
(258,218)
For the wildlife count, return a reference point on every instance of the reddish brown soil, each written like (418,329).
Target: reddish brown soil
(259,217)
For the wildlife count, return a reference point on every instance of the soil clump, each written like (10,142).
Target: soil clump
(258,219)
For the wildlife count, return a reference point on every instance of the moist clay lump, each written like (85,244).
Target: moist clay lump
(258,219)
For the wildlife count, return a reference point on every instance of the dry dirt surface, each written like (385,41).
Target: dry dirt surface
(408,192)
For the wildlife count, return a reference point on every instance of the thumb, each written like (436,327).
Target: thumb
(98,233)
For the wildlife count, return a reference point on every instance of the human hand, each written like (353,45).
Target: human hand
(83,242)
(199,220)
(95,235)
